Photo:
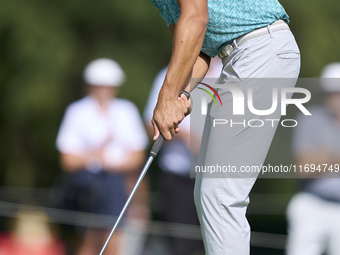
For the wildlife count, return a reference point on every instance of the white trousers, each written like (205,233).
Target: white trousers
(314,226)
(222,202)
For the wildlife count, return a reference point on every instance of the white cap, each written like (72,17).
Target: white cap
(330,78)
(104,72)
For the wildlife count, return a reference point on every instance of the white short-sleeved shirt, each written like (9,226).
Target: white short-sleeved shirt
(85,127)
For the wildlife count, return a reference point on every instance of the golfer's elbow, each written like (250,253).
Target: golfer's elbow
(203,22)
(195,17)
(195,12)
(202,18)
(200,21)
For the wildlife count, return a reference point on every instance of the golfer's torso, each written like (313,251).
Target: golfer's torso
(228,19)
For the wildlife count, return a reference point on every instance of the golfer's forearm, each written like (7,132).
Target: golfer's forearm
(199,70)
(72,163)
(188,40)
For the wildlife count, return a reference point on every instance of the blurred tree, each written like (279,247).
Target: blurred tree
(315,24)
(36,45)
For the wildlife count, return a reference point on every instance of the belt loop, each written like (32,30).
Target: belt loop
(270,31)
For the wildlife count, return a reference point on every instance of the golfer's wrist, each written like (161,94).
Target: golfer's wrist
(170,91)
(174,96)
(165,96)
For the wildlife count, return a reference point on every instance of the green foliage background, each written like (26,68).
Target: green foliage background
(44,46)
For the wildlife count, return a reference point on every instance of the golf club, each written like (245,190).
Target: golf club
(153,153)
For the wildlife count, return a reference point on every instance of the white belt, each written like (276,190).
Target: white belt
(276,26)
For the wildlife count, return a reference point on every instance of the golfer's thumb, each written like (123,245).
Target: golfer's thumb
(155,131)
(185,100)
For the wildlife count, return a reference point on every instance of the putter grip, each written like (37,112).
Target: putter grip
(160,140)
(157,146)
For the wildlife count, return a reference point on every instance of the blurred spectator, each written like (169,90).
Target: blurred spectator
(174,161)
(31,235)
(313,213)
(101,139)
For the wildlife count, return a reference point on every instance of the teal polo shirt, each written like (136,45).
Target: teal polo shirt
(228,19)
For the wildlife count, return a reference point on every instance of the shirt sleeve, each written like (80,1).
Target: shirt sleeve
(155,3)
(68,138)
(163,11)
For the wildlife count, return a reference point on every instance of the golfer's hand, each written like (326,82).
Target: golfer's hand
(168,114)
(188,103)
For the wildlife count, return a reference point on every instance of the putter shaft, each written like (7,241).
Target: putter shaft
(141,176)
